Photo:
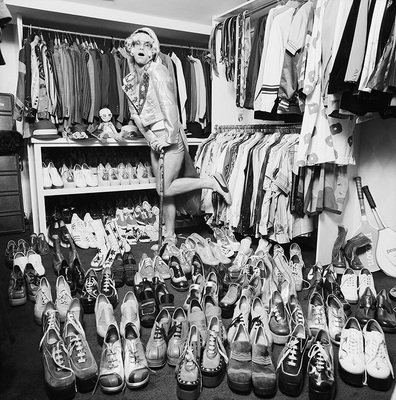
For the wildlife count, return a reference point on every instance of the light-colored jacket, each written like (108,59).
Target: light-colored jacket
(159,111)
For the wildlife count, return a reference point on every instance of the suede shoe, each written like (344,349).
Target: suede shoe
(316,313)
(351,362)
(291,362)
(264,380)
(322,384)
(111,370)
(379,369)
(156,346)
(82,361)
(239,371)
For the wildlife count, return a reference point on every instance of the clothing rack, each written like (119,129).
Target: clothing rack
(105,37)
(265,128)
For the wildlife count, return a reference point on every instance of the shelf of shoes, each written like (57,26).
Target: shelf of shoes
(39,193)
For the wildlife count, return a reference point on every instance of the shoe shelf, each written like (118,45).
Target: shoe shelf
(39,194)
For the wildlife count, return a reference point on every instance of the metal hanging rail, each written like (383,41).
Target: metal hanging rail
(106,37)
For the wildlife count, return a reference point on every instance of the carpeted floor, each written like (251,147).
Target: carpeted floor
(21,364)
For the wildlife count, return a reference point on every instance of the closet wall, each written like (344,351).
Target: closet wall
(375,150)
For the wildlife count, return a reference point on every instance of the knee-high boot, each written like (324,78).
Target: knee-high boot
(337,254)
(351,247)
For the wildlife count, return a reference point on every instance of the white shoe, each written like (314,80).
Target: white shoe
(90,232)
(349,286)
(35,260)
(351,360)
(63,297)
(43,296)
(78,232)
(141,173)
(149,170)
(379,370)
(79,177)
(90,178)
(56,179)
(100,257)
(366,280)
(68,179)
(47,182)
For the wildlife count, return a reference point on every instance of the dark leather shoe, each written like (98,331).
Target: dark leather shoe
(162,296)
(197,266)
(148,309)
(130,267)
(90,291)
(366,307)
(78,274)
(67,273)
(277,319)
(331,286)
(384,312)
(117,268)
(178,278)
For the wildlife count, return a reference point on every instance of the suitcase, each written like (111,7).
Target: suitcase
(7,122)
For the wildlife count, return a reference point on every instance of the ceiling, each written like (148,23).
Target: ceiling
(186,22)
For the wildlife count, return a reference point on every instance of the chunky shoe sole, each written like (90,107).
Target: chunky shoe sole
(192,394)
(239,386)
(156,363)
(60,393)
(213,379)
(17,302)
(137,385)
(86,385)
(349,378)
(267,392)
(379,384)
(291,389)
(318,395)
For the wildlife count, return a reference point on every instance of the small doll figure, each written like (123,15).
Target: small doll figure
(106,127)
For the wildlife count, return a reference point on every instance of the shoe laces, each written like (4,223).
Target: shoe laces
(338,318)
(132,352)
(77,344)
(42,296)
(319,315)
(375,349)
(354,342)
(90,285)
(349,282)
(290,352)
(319,354)
(178,330)
(296,270)
(111,356)
(19,282)
(64,297)
(237,320)
(159,332)
(33,277)
(276,313)
(107,283)
(365,281)
(298,315)
(58,352)
(215,345)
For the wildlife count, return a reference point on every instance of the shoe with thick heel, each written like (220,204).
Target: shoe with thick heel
(351,362)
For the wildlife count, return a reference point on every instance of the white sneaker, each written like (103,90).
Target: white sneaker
(351,360)
(366,280)
(56,179)
(349,286)
(100,257)
(47,182)
(35,260)
(103,177)
(68,179)
(133,178)
(63,297)
(114,178)
(43,296)
(78,232)
(379,370)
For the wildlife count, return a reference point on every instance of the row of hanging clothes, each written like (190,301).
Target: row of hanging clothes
(67,78)
(325,61)
(268,198)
